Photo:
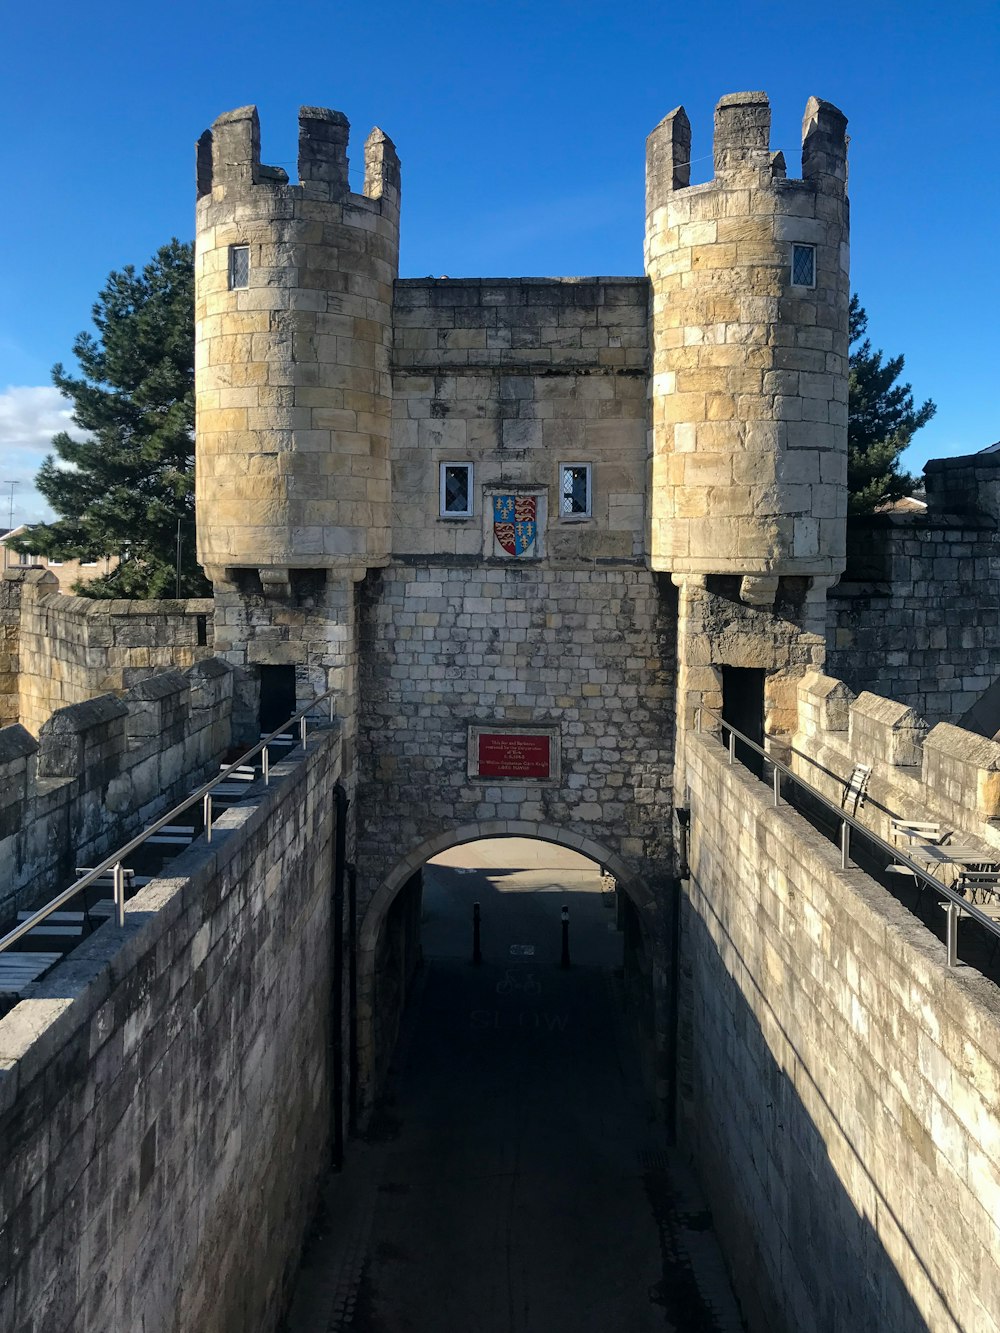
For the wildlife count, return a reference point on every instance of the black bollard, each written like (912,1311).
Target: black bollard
(477,953)
(564,960)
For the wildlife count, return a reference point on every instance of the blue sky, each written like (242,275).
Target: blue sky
(521,129)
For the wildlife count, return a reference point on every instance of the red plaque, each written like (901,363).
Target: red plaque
(506,756)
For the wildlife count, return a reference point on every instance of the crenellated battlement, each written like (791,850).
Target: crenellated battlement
(228,159)
(742,143)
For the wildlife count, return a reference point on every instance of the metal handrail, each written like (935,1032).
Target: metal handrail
(116,860)
(956,904)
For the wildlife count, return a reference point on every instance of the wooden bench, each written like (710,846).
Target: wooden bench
(172,835)
(56,918)
(107,880)
(19,970)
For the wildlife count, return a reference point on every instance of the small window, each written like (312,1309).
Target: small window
(88,564)
(239,266)
(574,490)
(456,490)
(803,266)
(54,564)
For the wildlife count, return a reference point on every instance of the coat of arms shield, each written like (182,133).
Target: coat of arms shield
(515,522)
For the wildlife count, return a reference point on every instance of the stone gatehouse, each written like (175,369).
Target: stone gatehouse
(526,530)
(522,517)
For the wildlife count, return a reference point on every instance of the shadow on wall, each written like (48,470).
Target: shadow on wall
(803,1259)
(432,915)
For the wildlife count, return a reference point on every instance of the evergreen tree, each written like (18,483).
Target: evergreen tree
(881,421)
(122,490)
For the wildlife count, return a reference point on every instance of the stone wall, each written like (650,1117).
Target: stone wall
(916,616)
(57,650)
(165,1092)
(585,653)
(517,376)
(588,653)
(843,1104)
(100,770)
(944,774)
(966,486)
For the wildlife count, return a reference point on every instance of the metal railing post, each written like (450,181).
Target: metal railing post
(952,913)
(732,746)
(697,719)
(118,892)
(207,810)
(114,863)
(776,779)
(845,844)
(265,764)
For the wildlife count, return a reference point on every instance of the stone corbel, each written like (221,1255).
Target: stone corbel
(276,583)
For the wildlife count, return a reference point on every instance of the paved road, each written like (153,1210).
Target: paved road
(514,1181)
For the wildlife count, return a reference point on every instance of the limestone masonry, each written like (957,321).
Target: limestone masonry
(534,533)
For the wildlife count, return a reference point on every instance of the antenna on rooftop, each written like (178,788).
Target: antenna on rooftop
(11,484)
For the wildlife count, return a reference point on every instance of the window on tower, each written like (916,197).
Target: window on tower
(803,266)
(456,490)
(239,266)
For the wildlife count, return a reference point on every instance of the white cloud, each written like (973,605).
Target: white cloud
(29,417)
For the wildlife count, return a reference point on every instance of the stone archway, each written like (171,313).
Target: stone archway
(639,893)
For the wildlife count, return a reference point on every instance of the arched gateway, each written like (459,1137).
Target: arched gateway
(375,1021)
(526,526)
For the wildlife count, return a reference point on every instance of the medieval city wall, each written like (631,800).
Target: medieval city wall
(164,1093)
(843,1081)
(100,771)
(942,774)
(916,615)
(57,650)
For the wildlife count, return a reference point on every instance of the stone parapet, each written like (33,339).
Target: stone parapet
(943,775)
(964,487)
(823,704)
(59,650)
(176,1075)
(916,614)
(843,1092)
(885,731)
(522,325)
(100,770)
(963,770)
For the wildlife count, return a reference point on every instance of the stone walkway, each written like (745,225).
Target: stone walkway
(513,1181)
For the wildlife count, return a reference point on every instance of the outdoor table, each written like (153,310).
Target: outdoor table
(935,857)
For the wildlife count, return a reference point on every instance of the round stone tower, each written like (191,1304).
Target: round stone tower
(293,291)
(750,293)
